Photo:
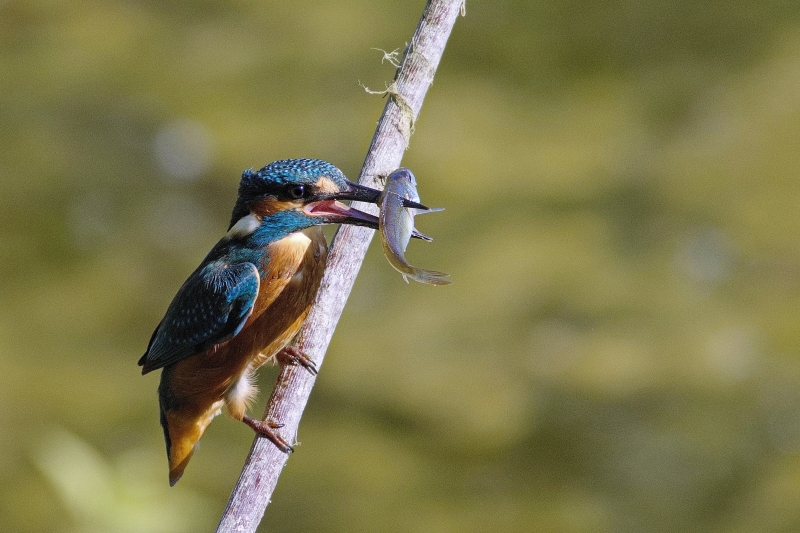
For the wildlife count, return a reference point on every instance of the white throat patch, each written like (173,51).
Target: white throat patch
(244,227)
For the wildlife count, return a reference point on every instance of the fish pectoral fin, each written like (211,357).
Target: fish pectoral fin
(419,235)
(416,212)
(415,232)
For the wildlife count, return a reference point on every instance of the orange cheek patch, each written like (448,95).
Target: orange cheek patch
(269,206)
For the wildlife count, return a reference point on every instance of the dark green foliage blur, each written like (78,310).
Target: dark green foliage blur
(620,349)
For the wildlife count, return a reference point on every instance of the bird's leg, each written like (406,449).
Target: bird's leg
(292,356)
(268,430)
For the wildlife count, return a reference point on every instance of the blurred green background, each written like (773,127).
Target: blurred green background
(619,349)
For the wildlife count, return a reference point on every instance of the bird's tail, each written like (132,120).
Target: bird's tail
(431,277)
(182,429)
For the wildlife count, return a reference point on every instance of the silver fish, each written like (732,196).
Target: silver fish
(396,226)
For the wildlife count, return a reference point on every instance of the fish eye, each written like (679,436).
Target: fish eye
(296,191)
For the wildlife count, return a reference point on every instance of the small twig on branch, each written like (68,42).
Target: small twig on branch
(290,395)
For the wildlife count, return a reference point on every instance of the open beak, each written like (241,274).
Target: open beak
(335,212)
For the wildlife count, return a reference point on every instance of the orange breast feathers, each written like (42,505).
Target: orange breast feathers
(291,279)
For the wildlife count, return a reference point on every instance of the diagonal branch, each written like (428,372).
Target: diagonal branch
(290,395)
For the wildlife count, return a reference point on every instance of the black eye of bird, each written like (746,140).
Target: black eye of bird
(296,191)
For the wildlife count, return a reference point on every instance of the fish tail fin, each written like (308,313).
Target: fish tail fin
(431,277)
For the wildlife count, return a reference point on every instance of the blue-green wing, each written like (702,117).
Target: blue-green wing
(210,308)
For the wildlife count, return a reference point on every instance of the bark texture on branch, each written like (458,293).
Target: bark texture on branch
(263,466)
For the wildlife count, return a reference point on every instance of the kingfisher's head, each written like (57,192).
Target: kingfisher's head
(310,187)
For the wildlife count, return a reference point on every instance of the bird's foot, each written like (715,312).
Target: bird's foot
(267,429)
(292,356)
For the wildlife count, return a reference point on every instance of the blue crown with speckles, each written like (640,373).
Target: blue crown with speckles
(277,174)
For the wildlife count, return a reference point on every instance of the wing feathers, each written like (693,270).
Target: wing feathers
(210,308)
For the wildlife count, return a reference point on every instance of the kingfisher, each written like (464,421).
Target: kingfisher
(248,298)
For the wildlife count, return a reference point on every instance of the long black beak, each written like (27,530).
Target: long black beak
(335,212)
(361,193)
